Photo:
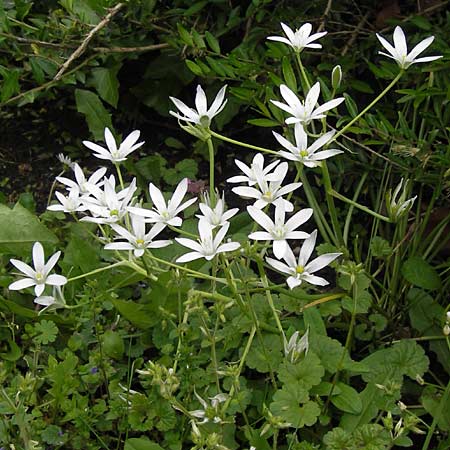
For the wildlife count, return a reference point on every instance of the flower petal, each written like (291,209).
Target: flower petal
(21,284)
(38,257)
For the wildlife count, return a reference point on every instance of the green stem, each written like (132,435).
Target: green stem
(101,269)
(242,144)
(359,206)
(369,106)
(302,71)
(350,210)
(330,203)
(119,174)
(212,195)
(184,233)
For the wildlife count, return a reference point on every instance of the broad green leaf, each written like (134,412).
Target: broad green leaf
(432,401)
(10,85)
(106,84)
(265,354)
(420,273)
(97,116)
(141,316)
(20,229)
(380,247)
(348,400)
(306,373)
(141,444)
(13,353)
(81,253)
(292,404)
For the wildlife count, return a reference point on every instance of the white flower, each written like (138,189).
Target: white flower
(398,206)
(309,156)
(305,112)
(38,276)
(216,216)
(72,203)
(269,192)
(399,52)
(163,212)
(81,182)
(208,245)
(295,347)
(209,412)
(107,205)
(256,167)
(202,115)
(113,153)
(65,160)
(300,38)
(54,301)
(279,231)
(138,240)
(300,270)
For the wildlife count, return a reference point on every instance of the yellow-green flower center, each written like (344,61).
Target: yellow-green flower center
(303,153)
(114,212)
(299,269)
(139,241)
(39,277)
(267,196)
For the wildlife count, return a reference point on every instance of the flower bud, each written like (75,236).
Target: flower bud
(336,77)
(398,206)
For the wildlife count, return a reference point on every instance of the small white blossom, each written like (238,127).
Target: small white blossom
(305,112)
(65,160)
(279,231)
(217,215)
(300,38)
(72,203)
(399,206)
(81,182)
(295,347)
(399,52)
(300,152)
(301,270)
(202,115)
(162,211)
(112,153)
(137,240)
(210,412)
(255,171)
(208,245)
(266,192)
(40,275)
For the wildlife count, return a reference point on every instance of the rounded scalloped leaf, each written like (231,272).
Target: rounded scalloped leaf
(419,273)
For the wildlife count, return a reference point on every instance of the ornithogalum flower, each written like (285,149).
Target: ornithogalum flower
(300,38)
(209,413)
(40,275)
(399,52)
(300,152)
(112,153)
(266,192)
(162,211)
(255,170)
(137,240)
(72,203)
(295,347)
(305,112)
(201,116)
(399,206)
(217,215)
(208,245)
(81,182)
(279,231)
(301,270)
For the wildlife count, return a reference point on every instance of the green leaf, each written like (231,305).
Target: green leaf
(265,354)
(380,247)
(195,8)
(185,35)
(141,316)
(113,344)
(419,273)
(288,74)
(292,404)
(306,373)
(10,85)
(431,400)
(81,253)
(348,400)
(14,352)
(141,444)
(193,67)
(20,229)
(212,42)
(106,84)
(46,331)
(97,116)
(351,105)
(263,122)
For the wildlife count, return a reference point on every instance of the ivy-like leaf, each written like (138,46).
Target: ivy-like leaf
(305,373)
(266,354)
(419,273)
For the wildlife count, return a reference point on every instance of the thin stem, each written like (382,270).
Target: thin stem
(350,210)
(359,206)
(369,106)
(119,174)
(302,71)
(212,194)
(242,144)
(101,269)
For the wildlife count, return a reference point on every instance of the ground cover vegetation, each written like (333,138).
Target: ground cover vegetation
(224,225)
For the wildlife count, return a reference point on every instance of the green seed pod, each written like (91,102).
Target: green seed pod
(336,77)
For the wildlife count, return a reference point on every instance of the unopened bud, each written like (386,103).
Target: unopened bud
(446,330)
(336,77)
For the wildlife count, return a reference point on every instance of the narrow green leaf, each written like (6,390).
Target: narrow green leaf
(193,67)
(289,75)
(185,35)
(212,42)
(263,122)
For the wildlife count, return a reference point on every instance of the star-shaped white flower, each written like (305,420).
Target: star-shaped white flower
(266,192)
(113,153)
(208,245)
(301,270)
(40,275)
(202,115)
(72,203)
(209,412)
(300,152)
(107,205)
(305,112)
(279,231)
(217,215)
(295,347)
(163,212)
(399,52)
(137,240)
(300,38)
(256,167)
(80,179)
